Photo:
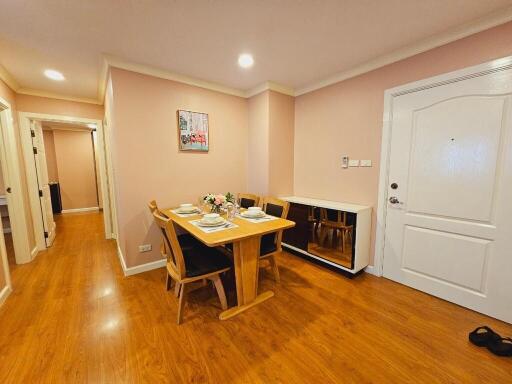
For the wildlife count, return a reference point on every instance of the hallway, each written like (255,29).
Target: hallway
(74,318)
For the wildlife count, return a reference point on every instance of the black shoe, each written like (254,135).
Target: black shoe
(501,346)
(482,336)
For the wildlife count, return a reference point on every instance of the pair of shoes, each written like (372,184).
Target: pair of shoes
(486,337)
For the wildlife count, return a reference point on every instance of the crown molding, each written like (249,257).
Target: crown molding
(8,79)
(494,19)
(269,86)
(50,95)
(168,75)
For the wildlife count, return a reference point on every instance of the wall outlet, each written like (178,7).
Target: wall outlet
(366,163)
(145,248)
(353,163)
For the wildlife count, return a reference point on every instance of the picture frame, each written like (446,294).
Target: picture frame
(193,131)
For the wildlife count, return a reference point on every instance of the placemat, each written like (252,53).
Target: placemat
(227,225)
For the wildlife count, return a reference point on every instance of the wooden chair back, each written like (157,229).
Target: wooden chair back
(333,218)
(278,208)
(248,200)
(152,205)
(175,258)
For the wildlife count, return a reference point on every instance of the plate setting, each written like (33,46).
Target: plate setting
(188,211)
(250,215)
(211,220)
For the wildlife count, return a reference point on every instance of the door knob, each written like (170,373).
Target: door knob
(394,200)
(8,189)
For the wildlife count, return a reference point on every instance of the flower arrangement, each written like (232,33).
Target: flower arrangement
(218,201)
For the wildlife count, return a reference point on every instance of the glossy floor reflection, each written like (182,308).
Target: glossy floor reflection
(74,318)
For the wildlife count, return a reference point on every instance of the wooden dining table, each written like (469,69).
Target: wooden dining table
(246,239)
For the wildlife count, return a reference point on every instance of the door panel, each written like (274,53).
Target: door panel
(455,145)
(42,180)
(457,259)
(449,227)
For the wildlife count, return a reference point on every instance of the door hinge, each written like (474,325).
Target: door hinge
(40,193)
(32,133)
(35,150)
(45,234)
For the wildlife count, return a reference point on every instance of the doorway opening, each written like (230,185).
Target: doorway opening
(67,170)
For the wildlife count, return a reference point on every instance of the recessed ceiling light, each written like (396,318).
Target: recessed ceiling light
(91,125)
(54,75)
(245,60)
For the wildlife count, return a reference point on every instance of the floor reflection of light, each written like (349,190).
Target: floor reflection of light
(105,292)
(111,324)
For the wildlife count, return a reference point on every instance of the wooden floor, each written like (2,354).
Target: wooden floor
(74,318)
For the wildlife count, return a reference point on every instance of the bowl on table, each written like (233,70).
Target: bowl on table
(253,212)
(211,220)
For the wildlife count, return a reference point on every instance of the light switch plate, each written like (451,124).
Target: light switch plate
(344,161)
(366,163)
(353,163)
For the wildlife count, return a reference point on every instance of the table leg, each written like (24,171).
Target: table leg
(246,256)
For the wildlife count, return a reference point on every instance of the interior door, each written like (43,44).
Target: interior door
(449,214)
(42,181)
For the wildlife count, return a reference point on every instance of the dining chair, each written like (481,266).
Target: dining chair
(270,245)
(313,222)
(188,265)
(186,240)
(248,200)
(335,221)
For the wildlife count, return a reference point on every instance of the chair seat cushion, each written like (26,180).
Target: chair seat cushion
(186,240)
(267,244)
(201,260)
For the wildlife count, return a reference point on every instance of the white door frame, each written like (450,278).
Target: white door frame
(26,141)
(11,169)
(497,65)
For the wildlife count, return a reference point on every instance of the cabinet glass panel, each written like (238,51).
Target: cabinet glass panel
(331,235)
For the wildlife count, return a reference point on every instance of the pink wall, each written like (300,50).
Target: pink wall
(75,162)
(281,138)
(258,145)
(51,158)
(346,118)
(146,159)
(37,104)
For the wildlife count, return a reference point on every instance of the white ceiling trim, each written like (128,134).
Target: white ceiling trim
(270,86)
(162,74)
(50,95)
(112,61)
(15,87)
(8,79)
(497,18)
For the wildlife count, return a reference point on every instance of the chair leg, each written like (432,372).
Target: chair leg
(181,303)
(220,291)
(322,236)
(177,289)
(273,264)
(168,282)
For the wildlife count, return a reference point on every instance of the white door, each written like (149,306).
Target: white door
(449,216)
(42,180)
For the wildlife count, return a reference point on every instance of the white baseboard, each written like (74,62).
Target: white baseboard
(139,268)
(75,210)
(4,293)
(33,253)
(371,270)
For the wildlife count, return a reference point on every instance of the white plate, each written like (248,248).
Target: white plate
(216,223)
(190,210)
(249,216)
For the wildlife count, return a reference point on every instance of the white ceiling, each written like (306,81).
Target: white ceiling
(294,42)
